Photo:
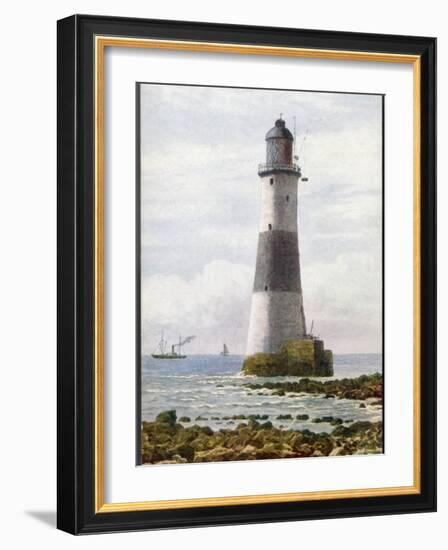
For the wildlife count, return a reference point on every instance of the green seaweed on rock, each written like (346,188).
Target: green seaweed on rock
(165,441)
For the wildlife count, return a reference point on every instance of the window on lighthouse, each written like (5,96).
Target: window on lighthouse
(270,226)
(287,198)
(271,181)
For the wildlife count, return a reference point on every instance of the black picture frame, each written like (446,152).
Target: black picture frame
(76,479)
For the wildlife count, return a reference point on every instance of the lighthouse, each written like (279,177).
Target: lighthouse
(278,342)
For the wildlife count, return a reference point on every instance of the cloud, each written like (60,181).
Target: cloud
(344,298)
(214,305)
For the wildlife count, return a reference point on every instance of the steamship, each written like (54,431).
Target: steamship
(173,354)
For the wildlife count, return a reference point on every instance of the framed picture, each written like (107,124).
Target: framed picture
(246,274)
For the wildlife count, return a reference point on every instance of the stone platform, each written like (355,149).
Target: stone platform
(301,357)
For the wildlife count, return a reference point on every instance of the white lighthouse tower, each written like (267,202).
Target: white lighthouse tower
(277,304)
(277,341)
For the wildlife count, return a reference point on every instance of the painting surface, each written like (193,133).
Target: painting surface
(260,269)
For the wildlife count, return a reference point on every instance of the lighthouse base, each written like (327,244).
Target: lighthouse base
(298,357)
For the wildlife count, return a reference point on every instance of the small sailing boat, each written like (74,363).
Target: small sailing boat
(225,350)
(173,354)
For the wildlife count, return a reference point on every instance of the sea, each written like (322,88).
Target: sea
(208,388)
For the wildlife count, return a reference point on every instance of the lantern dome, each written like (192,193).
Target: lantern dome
(279,131)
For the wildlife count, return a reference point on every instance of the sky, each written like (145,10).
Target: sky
(200,205)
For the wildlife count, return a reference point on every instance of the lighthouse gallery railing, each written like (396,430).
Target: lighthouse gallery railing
(263,168)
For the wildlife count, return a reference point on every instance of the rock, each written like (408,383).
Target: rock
(337,451)
(200,417)
(179,459)
(233,442)
(296,441)
(336,421)
(303,417)
(184,419)
(284,417)
(356,427)
(200,443)
(297,357)
(269,450)
(249,449)
(259,440)
(341,431)
(167,417)
(206,430)
(164,437)
(213,455)
(363,387)
(185,451)
(304,450)
(362,406)
(253,424)
(165,443)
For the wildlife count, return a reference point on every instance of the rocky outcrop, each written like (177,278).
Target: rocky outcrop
(165,442)
(363,387)
(300,357)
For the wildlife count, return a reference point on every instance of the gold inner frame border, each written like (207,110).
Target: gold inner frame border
(100,44)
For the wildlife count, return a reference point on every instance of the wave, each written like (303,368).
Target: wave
(219,387)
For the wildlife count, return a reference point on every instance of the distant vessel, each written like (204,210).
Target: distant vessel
(225,350)
(173,354)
